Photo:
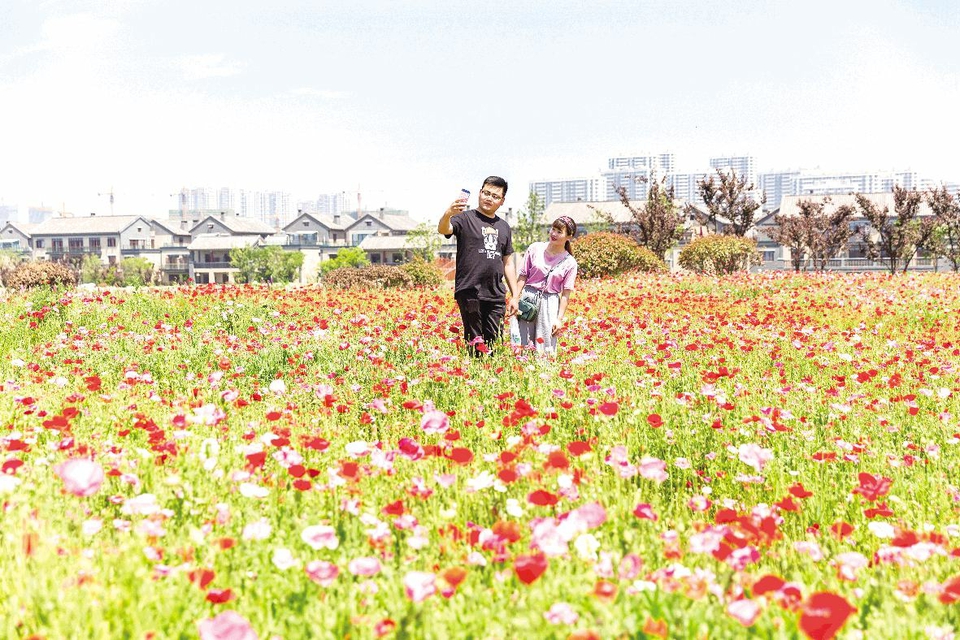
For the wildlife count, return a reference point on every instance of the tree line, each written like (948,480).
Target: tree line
(820,231)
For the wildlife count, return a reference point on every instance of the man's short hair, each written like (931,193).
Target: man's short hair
(496,181)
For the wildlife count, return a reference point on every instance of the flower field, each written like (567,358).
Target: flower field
(765,455)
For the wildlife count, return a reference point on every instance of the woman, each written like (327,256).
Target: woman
(550,269)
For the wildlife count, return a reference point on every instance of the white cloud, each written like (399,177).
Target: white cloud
(210,65)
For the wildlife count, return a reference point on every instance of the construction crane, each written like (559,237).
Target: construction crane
(109,193)
(182,200)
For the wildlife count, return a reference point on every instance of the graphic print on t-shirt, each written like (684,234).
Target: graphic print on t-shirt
(490,237)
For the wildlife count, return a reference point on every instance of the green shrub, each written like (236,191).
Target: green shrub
(609,254)
(346,257)
(41,273)
(719,254)
(375,276)
(423,273)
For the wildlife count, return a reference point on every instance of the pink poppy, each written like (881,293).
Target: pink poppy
(419,585)
(561,613)
(435,422)
(754,455)
(653,469)
(81,476)
(228,625)
(365,566)
(322,572)
(745,612)
(321,537)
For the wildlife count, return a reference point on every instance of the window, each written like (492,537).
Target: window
(769,256)
(210,227)
(111,242)
(306,223)
(56,244)
(369,223)
(94,244)
(39,244)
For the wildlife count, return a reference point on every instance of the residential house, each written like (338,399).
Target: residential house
(171,255)
(17,237)
(318,237)
(211,241)
(110,238)
(379,224)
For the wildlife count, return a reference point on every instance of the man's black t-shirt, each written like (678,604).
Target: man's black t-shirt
(482,243)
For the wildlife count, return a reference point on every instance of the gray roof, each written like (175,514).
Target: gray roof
(87,225)
(239,224)
(587,212)
(392,221)
(24,228)
(171,226)
(319,218)
(213,241)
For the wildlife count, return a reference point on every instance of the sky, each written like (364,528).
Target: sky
(406,102)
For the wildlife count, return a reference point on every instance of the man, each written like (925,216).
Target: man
(484,258)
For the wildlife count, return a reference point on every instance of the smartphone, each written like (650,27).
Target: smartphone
(464,195)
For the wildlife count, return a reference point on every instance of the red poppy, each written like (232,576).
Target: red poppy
(823,615)
(609,408)
(461,455)
(654,420)
(529,568)
(873,487)
(767,584)
(798,491)
(220,596)
(841,529)
(201,577)
(542,498)
(578,448)
(951,591)
(657,628)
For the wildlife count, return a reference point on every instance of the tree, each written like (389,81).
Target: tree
(136,271)
(91,269)
(946,240)
(895,239)
(832,235)
(821,235)
(658,224)
(266,264)
(791,232)
(346,257)
(424,241)
(529,226)
(727,196)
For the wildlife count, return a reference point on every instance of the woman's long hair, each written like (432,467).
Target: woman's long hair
(568,226)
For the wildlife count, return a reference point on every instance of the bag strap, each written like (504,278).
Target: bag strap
(543,289)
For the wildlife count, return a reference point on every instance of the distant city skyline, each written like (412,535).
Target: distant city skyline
(407,102)
(279,207)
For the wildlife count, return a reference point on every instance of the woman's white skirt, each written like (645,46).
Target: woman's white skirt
(537,334)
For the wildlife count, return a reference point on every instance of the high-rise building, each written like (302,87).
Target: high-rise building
(634,173)
(743,166)
(37,215)
(685,185)
(226,199)
(776,185)
(570,190)
(9,213)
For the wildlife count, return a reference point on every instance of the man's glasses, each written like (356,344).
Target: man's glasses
(496,197)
